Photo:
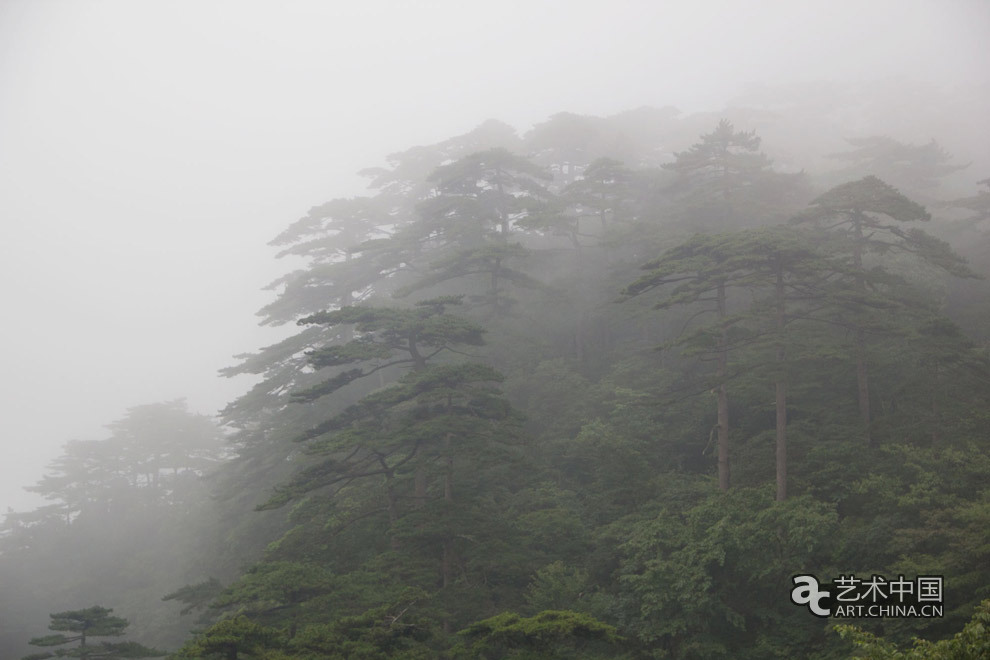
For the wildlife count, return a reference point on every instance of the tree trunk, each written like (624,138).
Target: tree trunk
(448,498)
(419,362)
(496,271)
(722,395)
(863,384)
(419,485)
(601,209)
(862,376)
(781,390)
(393,513)
(936,421)
(447,556)
(579,332)
(503,219)
(348,330)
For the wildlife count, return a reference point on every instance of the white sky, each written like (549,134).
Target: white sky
(150,149)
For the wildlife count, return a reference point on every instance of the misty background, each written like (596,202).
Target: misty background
(150,150)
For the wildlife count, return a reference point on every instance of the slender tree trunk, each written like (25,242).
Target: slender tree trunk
(781,390)
(419,362)
(862,375)
(503,219)
(393,513)
(579,332)
(863,384)
(419,473)
(447,556)
(602,205)
(496,272)
(348,331)
(723,437)
(580,321)
(722,394)
(936,421)
(448,498)
(419,485)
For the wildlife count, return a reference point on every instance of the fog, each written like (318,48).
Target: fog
(150,150)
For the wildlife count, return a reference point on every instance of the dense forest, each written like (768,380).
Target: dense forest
(599,390)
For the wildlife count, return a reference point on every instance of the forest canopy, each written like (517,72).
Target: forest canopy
(600,390)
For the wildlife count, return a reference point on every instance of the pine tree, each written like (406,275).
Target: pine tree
(915,168)
(229,638)
(417,335)
(725,182)
(83,626)
(866,217)
(466,227)
(702,270)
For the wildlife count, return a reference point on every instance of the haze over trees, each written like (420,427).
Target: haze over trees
(599,390)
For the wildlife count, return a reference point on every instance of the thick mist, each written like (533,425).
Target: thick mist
(150,150)
(510,309)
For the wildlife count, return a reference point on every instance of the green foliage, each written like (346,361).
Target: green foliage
(384,332)
(910,166)
(93,622)
(196,596)
(556,586)
(724,181)
(86,624)
(382,633)
(134,510)
(861,211)
(229,639)
(713,577)
(388,429)
(971,643)
(870,195)
(150,452)
(549,634)
(276,588)
(465,426)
